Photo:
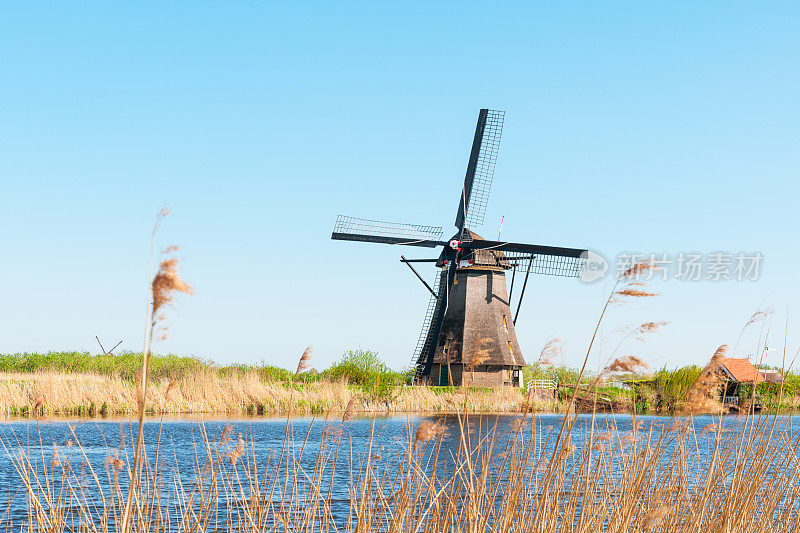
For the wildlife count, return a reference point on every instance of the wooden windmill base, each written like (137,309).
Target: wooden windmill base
(458,375)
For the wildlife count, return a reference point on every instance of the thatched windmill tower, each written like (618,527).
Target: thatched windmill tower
(468,332)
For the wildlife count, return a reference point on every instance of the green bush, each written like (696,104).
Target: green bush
(266,372)
(671,386)
(125,364)
(364,369)
(768,393)
(559,374)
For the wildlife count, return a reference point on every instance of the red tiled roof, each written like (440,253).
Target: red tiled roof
(742,370)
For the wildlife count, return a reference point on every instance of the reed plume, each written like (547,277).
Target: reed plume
(553,349)
(759,315)
(479,358)
(163,286)
(656,517)
(480,355)
(350,410)
(305,361)
(635,293)
(631,282)
(650,327)
(629,363)
(702,394)
(637,269)
(426,431)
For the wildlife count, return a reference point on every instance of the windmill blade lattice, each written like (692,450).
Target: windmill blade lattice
(425,337)
(544,264)
(365,230)
(480,170)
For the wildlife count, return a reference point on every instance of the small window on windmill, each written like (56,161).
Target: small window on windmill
(510,348)
(505,324)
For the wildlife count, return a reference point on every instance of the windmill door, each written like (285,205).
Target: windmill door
(444,378)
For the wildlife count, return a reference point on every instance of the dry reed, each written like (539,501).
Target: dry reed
(625,364)
(163,286)
(652,478)
(552,351)
(703,394)
(305,361)
(241,393)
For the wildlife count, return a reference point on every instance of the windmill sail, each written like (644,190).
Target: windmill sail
(543,264)
(425,335)
(480,169)
(547,260)
(481,244)
(364,230)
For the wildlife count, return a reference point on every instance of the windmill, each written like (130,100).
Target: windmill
(468,334)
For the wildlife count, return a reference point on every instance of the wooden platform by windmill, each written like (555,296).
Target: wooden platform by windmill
(468,334)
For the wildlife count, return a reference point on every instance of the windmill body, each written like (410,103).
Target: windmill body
(468,334)
(478,344)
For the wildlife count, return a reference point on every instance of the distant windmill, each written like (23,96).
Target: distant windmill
(111,351)
(468,332)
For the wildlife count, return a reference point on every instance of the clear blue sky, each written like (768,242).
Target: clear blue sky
(639,126)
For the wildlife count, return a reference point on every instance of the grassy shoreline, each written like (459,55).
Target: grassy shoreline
(51,393)
(82,384)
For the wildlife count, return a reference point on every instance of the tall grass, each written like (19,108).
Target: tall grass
(48,394)
(74,383)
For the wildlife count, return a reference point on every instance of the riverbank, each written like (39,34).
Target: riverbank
(82,384)
(208,391)
(51,393)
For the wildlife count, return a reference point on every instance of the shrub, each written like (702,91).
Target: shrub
(125,364)
(364,369)
(671,386)
(559,374)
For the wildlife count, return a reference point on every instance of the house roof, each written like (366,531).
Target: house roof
(742,370)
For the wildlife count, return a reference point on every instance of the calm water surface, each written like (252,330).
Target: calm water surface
(185,443)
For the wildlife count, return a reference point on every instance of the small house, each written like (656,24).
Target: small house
(741,371)
(738,371)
